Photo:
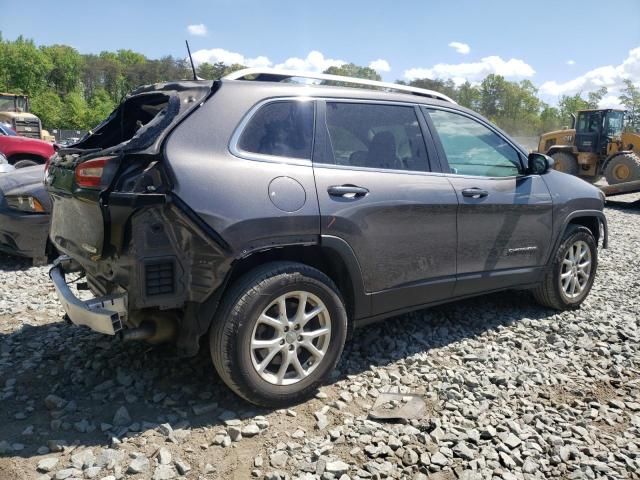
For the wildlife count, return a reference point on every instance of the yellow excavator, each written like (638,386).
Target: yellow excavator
(596,146)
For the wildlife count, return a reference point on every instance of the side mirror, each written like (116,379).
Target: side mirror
(539,163)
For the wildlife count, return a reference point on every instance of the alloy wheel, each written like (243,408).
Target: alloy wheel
(290,338)
(575,270)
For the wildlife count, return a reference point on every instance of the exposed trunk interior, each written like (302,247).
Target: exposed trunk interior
(132,116)
(144,116)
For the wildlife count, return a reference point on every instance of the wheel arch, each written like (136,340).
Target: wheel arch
(16,157)
(560,148)
(591,219)
(332,256)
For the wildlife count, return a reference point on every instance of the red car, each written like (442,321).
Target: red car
(23,151)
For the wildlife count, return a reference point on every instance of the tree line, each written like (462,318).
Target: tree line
(68,89)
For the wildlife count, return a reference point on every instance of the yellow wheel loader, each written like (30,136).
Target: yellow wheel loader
(597,146)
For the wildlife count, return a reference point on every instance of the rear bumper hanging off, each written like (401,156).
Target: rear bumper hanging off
(104,314)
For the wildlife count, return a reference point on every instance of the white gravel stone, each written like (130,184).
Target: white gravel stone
(164,456)
(47,464)
(337,467)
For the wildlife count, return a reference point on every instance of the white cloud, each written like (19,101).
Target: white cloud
(380,65)
(609,76)
(460,47)
(315,62)
(199,30)
(610,101)
(571,63)
(214,55)
(474,71)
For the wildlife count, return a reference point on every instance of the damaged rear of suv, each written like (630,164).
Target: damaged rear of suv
(274,217)
(145,255)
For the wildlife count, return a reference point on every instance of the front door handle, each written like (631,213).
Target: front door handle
(347,191)
(474,192)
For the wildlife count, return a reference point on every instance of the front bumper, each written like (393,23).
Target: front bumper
(104,314)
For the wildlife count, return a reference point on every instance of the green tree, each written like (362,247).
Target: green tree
(568,105)
(493,90)
(23,67)
(550,119)
(66,72)
(353,70)
(211,71)
(99,108)
(630,99)
(594,98)
(519,108)
(468,96)
(74,111)
(47,106)
(446,87)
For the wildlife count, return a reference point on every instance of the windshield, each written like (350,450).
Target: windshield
(614,123)
(13,103)
(6,130)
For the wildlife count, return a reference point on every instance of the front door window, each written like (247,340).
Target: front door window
(473,149)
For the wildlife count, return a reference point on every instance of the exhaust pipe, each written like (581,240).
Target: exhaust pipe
(144,332)
(159,328)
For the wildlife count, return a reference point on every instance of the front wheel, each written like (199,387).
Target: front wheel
(569,279)
(278,334)
(566,162)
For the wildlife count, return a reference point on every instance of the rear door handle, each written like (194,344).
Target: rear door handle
(474,192)
(347,191)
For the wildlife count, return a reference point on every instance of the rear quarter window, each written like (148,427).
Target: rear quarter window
(281,129)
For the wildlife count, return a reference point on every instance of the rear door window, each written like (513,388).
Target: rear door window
(376,136)
(281,128)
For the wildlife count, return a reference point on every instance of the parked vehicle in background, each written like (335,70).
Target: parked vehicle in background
(23,151)
(14,110)
(68,141)
(5,167)
(275,217)
(594,146)
(25,209)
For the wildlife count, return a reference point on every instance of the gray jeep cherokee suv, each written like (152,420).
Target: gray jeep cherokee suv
(276,216)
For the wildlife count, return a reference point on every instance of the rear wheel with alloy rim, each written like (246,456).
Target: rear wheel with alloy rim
(290,338)
(278,333)
(568,280)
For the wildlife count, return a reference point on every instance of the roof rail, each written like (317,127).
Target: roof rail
(277,75)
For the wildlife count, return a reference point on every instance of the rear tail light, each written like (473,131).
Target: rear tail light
(90,174)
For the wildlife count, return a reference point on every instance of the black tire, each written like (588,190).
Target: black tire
(232,331)
(550,293)
(566,162)
(622,168)
(25,163)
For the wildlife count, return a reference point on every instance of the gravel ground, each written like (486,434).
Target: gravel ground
(512,391)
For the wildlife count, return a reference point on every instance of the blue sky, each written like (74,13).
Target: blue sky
(533,40)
